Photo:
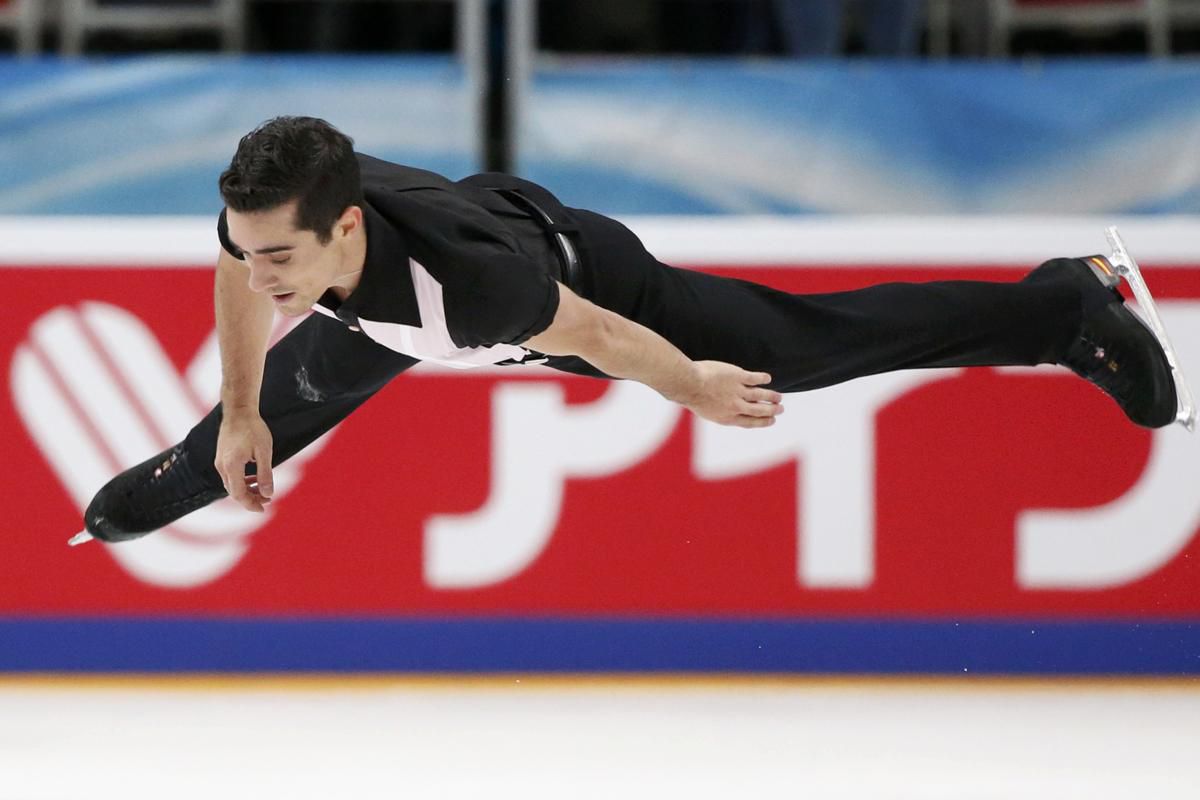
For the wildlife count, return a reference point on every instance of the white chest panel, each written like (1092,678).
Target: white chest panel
(431,340)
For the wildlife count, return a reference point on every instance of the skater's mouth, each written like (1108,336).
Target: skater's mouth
(283,298)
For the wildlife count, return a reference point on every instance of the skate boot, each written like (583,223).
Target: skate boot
(1121,261)
(148,496)
(1114,349)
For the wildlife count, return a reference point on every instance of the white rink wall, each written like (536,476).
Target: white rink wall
(855,240)
(509,737)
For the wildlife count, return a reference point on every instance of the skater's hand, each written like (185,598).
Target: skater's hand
(729,395)
(245,438)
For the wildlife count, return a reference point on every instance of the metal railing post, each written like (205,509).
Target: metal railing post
(471,45)
(29,27)
(521,49)
(233,25)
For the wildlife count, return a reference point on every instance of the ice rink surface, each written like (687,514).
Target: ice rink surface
(566,738)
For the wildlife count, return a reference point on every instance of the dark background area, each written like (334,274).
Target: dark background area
(645,27)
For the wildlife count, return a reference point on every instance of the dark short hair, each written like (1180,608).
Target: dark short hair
(295,158)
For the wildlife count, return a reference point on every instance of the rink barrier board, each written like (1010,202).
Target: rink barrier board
(139,641)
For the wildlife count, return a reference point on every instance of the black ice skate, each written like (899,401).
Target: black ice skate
(146,497)
(1127,268)
(1129,358)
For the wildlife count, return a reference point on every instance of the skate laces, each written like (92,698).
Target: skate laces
(164,488)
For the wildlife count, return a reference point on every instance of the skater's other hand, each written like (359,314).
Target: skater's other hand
(730,395)
(244,438)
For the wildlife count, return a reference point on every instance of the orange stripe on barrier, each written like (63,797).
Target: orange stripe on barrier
(307,682)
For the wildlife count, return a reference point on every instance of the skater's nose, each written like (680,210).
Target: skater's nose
(263,277)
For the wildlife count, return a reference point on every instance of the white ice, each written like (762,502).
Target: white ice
(570,739)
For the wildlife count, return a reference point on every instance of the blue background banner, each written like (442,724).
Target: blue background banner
(150,135)
(686,137)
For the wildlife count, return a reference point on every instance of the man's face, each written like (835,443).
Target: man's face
(291,265)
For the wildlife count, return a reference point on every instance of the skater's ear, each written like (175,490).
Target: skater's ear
(349,223)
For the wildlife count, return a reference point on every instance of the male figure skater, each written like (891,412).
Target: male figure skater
(404,265)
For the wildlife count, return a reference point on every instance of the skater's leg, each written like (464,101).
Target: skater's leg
(1064,312)
(313,378)
(806,341)
(810,341)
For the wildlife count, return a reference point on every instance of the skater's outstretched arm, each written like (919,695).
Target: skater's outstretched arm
(244,320)
(714,390)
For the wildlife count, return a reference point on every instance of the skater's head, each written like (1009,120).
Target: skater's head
(295,159)
(293,198)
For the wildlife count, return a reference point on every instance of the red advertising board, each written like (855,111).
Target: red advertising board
(980,492)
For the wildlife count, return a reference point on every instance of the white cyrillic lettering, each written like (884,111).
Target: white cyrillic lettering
(832,433)
(538,441)
(1141,531)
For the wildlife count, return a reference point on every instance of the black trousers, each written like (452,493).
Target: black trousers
(320,372)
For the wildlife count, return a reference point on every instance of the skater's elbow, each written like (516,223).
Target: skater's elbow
(579,328)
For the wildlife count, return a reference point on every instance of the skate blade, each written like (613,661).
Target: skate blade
(79,538)
(1128,269)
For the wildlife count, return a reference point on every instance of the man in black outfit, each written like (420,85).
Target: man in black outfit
(403,265)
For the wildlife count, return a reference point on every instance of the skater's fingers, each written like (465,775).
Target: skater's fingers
(232,469)
(757,378)
(239,490)
(746,421)
(224,472)
(262,470)
(255,502)
(762,396)
(759,409)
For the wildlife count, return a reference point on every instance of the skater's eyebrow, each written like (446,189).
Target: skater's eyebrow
(278,248)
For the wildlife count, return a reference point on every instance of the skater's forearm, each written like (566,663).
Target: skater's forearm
(244,322)
(723,393)
(625,349)
(618,347)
